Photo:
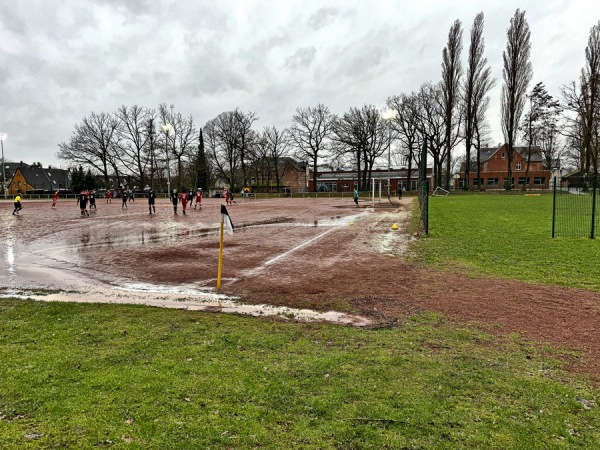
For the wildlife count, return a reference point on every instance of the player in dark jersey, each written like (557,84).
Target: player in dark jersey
(124,199)
(174,200)
(82,199)
(151,195)
(92,198)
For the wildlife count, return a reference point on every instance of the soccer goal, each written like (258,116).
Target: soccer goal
(439,192)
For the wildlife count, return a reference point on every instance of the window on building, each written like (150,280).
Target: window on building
(327,187)
(523,181)
(518,166)
(492,181)
(502,155)
(539,180)
(477,181)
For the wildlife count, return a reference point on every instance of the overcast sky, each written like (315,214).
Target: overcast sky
(61,60)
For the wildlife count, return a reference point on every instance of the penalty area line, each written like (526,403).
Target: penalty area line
(304,244)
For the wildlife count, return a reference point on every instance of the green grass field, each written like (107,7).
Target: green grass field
(106,376)
(507,236)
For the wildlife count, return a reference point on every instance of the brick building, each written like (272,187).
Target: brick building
(494,170)
(346,180)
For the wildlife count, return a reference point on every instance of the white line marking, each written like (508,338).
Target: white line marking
(304,244)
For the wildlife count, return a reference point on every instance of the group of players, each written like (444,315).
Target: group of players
(88,197)
(183,198)
(83,198)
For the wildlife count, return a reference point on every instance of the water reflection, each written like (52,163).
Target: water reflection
(10,255)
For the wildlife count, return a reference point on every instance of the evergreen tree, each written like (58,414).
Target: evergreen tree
(88,180)
(201,173)
(77,179)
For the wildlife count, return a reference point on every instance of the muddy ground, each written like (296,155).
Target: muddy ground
(313,254)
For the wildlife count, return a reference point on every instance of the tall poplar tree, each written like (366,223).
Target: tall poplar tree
(517,73)
(477,84)
(451,72)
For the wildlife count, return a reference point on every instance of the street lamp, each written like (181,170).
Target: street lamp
(388,116)
(2,137)
(167,127)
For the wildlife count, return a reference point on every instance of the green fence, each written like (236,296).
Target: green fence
(576,210)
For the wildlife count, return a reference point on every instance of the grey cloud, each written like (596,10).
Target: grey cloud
(302,58)
(324,16)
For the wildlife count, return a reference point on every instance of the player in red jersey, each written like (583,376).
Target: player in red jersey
(54,199)
(198,198)
(184,198)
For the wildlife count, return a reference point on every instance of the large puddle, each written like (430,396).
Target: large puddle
(55,266)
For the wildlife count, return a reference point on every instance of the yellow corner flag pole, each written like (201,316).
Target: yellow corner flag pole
(220,253)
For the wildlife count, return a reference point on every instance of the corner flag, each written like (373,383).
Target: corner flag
(226,224)
(226,220)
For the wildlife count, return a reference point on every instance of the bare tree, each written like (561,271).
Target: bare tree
(451,74)
(432,125)
(94,144)
(481,131)
(133,133)
(277,144)
(477,84)
(230,139)
(364,134)
(310,131)
(517,73)
(220,141)
(181,139)
(406,123)
(590,99)
(245,134)
(573,126)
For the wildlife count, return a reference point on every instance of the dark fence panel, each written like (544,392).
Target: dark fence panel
(576,210)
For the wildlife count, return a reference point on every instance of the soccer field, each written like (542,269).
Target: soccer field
(125,254)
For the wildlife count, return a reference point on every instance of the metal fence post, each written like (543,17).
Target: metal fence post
(594,189)
(554,209)
(424,189)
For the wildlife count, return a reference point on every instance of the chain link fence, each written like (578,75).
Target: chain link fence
(576,209)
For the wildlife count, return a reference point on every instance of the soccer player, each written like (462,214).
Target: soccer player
(184,198)
(109,196)
(124,199)
(191,197)
(82,199)
(174,200)
(92,198)
(151,194)
(18,206)
(198,198)
(54,199)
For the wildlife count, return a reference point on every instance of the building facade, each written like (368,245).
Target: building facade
(29,179)
(493,173)
(347,180)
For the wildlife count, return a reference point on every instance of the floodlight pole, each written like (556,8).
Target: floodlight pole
(389,164)
(166,128)
(388,116)
(2,137)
